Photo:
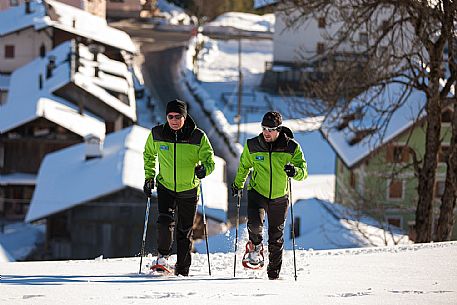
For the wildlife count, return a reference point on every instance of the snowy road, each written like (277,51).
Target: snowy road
(418,274)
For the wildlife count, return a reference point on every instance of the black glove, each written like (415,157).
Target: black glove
(200,171)
(290,170)
(148,186)
(236,192)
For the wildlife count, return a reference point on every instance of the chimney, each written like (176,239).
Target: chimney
(50,66)
(73,22)
(94,147)
(27,7)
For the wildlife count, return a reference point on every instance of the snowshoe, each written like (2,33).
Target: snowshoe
(253,257)
(162,266)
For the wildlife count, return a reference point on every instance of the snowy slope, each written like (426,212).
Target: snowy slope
(419,274)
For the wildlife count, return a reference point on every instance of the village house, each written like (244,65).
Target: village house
(298,49)
(374,172)
(99,208)
(118,9)
(32,29)
(95,7)
(70,93)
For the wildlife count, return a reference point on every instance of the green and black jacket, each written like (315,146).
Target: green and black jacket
(177,153)
(267,161)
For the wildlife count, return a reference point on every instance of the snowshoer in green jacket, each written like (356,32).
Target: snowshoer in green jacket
(185,156)
(274,156)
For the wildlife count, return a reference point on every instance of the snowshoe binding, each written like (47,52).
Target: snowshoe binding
(253,257)
(161,266)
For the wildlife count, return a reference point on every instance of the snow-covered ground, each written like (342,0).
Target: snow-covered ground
(419,274)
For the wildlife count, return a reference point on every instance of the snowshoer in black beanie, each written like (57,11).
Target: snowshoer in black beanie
(185,156)
(274,156)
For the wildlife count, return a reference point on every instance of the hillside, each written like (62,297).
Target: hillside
(417,274)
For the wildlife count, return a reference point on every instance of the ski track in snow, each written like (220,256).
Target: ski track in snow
(413,274)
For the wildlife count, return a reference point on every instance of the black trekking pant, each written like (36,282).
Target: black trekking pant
(276,210)
(185,206)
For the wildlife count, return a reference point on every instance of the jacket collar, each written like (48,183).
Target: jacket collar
(184,133)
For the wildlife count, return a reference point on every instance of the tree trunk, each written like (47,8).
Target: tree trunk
(424,211)
(448,200)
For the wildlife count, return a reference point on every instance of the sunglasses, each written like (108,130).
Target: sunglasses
(269,129)
(177,116)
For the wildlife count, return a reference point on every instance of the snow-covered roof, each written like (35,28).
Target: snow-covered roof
(19,239)
(323,225)
(56,110)
(15,18)
(63,17)
(243,21)
(402,119)
(326,225)
(4,82)
(113,76)
(18,179)
(120,166)
(262,3)
(5,257)
(24,106)
(172,13)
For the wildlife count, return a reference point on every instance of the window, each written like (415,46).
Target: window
(446,116)
(321,22)
(363,38)
(394,221)
(9,51)
(443,153)
(14,2)
(3,96)
(395,189)
(2,155)
(42,50)
(439,189)
(397,154)
(352,179)
(320,48)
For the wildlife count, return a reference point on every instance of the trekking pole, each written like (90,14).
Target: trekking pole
(293,226)
(146,218)
(204,229)
(236,230)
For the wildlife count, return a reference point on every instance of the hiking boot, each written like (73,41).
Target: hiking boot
(272,273)
(163,260)
(181,271)
(255,255)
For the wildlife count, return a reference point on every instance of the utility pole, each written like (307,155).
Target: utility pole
(240,90)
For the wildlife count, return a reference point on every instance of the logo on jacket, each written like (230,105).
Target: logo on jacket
(164,147)
(259,158)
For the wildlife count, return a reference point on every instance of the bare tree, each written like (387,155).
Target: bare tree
(410,43)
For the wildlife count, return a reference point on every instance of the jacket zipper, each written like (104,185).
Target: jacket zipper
(271,174)
(174,161)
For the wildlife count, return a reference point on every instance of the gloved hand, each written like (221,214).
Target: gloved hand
(290,170)
(148,186)
(200,171)
(236,192)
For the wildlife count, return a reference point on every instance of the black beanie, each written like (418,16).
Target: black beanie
(272,119)
(177,106)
